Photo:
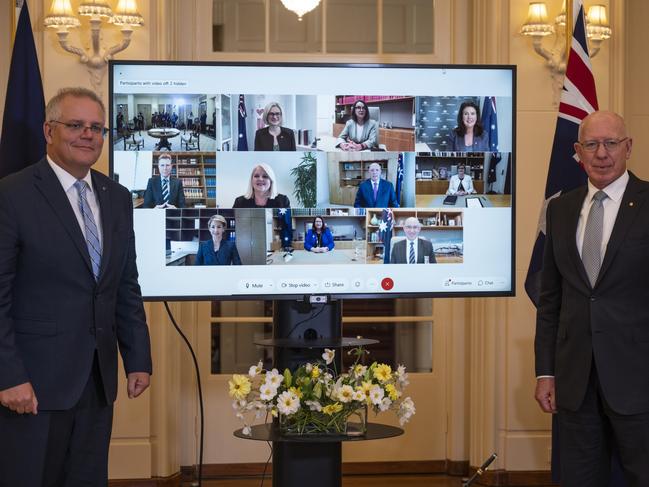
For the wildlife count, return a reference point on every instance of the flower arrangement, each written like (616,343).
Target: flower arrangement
(315,399)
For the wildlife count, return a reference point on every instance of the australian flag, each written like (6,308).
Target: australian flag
(242,140)
(385,232)
(399,177)
(490,121)
(22,142)
(285,227)
(578,99)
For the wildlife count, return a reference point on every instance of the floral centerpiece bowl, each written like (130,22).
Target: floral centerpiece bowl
(315,400)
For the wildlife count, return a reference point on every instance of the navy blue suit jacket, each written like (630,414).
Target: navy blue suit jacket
(385,196)
(153,193)
(53,314)
(228,254)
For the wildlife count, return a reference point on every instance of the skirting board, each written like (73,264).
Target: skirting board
(497,478)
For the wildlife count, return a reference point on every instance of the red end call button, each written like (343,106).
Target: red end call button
(387,283)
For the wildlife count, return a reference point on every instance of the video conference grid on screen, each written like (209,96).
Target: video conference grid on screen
(274,180)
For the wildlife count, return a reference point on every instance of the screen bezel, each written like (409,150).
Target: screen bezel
(114,64)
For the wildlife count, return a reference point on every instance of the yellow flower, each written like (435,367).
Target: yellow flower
(315,373)
(365,388)
(239,386)
(332,408)
(296,391)
(393,394)
(383,372)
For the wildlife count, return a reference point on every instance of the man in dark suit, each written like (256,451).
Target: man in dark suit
(164,191)
(69,297)
(412,249)
(375,192)
(592,330)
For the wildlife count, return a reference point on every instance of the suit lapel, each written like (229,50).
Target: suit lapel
(50,187)
(106,211)
(570,231)
(633,198)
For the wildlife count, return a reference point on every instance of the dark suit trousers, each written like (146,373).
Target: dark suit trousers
(586,437)
(58,448)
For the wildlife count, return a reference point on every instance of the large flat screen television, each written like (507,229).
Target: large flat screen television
(279,180)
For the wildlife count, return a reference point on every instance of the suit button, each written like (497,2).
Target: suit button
(91,330)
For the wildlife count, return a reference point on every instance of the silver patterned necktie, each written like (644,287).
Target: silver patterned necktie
(411,256)
(92,235)
(591,250)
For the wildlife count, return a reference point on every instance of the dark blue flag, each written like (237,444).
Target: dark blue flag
(22,141)
(286,227)
(399,177)
(242,140)
(385,233)
(578,99)
(490,121)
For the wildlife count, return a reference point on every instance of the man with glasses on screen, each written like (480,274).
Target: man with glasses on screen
(412,249)
(592,329)
(69,297)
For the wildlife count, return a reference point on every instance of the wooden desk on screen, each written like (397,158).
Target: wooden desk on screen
(488,200)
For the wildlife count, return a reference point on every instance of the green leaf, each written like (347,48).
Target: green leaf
(288,379)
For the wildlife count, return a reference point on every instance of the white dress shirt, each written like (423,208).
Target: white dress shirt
(614,193)
(67,181)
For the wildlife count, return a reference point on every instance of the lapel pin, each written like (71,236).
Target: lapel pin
(630,203)
(103,188)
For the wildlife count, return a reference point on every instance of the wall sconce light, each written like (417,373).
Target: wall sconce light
(126,16)
(537,27)
(300,7)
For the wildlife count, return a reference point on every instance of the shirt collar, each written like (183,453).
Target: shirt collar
(615,190)
(66,179)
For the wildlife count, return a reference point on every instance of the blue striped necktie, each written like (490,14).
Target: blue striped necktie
(92,235)
(411,257)
(165,190)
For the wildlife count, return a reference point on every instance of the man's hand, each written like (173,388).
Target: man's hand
(137,383)
(544,394)
(20,399)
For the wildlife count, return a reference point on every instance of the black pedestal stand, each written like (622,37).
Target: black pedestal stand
(301,330)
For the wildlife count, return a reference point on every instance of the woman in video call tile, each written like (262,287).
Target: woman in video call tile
(262,191)
(274,137)
(469,135)
(360,132)
(460,183)
(319,238)
(217,251)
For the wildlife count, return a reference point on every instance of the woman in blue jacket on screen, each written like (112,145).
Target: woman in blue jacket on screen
(319,238)
(217,251)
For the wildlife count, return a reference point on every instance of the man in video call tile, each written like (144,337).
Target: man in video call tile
(164,191)
(375,192)
(412,249)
